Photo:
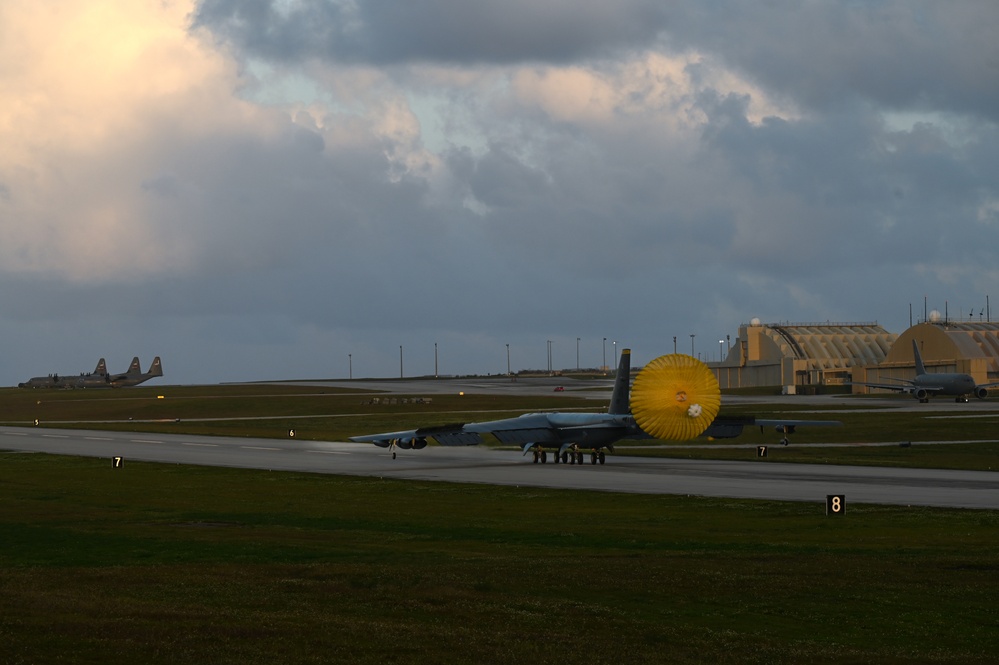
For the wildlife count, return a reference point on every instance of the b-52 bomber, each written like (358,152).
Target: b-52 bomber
(675,398)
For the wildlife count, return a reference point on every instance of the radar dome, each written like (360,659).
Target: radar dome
(935,316)
(754,322)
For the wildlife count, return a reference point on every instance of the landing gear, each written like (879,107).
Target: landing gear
(570,454)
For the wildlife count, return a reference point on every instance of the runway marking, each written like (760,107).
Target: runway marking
(54,436)
(15,433)
(97,438)
(144,441)
(327,452)
(203,445)
(258,448)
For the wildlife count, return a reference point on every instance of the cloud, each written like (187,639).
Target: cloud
(99,94)
(258,188)
(383,32)
(899,54)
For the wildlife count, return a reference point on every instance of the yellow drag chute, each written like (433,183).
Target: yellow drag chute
(675,398)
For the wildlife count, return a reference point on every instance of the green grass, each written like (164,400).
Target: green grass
(167,563)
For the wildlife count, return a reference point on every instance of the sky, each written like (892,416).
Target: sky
(292,189)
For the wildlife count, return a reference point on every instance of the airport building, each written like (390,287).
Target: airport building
(966,347)
(800,358)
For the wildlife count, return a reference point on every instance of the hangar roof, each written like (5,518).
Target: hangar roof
(949,340)
(828,345)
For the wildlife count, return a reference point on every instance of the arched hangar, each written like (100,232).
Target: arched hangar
(967,347)
(799,357)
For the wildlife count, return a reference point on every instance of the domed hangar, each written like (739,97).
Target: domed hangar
(945,346)
(799,357)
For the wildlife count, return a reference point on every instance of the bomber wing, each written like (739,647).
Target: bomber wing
(530,428)
(729,427)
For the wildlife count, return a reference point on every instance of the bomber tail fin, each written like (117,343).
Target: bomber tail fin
(156,369)
(920,368)
(619,403)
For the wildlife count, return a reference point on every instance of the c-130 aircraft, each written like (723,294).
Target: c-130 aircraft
(99,378)
(675,398)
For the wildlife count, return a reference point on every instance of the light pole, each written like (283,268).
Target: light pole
(674,343)
(615,355)
(577,354)
(400,361)
(350,366)
(435,360)
(691,344)
(549,356)
(604,366)
(721,350)
(508,360)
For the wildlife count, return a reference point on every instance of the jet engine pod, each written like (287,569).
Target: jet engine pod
(416,443)
(675,398)
(981,393)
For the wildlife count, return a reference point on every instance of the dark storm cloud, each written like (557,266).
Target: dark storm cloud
(452,31)
(900,54)
(903,54)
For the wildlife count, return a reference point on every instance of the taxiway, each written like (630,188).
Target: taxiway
(757,479)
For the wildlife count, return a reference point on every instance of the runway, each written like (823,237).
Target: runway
(758,479)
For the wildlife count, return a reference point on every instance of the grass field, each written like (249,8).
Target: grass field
(167,563)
